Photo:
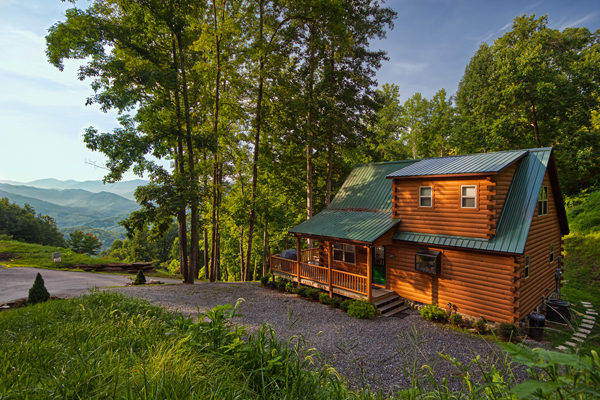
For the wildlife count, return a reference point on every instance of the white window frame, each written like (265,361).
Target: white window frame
(527,267)
(462,196)
(551,252)
(344,249)
(543,201)
(430,197)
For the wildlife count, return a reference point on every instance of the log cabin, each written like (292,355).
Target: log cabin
(479,234)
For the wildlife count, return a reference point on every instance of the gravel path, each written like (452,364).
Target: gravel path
(365,351)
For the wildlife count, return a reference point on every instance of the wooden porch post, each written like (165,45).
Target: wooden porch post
(329,266)
(369,271)
(298,258)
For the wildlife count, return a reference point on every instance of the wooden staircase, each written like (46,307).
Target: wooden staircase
(389,304)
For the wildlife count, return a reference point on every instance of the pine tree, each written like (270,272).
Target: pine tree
(38,292)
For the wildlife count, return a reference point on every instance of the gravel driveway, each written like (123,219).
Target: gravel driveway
(365,351)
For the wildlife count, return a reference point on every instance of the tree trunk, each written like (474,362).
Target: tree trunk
(536,129)
(242,265)
(309,120)
(330,136)
(266,255)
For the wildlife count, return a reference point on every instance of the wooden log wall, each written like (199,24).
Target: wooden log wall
(446,216)
(476,283)
(544,231)
(359,268)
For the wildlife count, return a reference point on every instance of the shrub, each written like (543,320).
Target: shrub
(289,287)
(313,293)
(345,304)
(508,332)
(361,309)
(300,291)
(323,298)
(480,326)
(265,280)
(38,292)
(273,284)
(281,284)
(433,313)
(455,320)
(336,302)
(140,278)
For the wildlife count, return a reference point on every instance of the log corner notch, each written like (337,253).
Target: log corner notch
(487,197)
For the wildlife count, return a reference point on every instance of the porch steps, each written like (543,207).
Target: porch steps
(389,304)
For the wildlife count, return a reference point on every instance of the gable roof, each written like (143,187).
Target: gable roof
(484,163)
(517,214)
(362,208)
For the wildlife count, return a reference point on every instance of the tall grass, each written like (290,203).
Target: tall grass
(106,345)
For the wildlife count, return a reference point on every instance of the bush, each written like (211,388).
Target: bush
(433,313)
(508,332)
(281,284)
(313,293)
(324,298)
(455,319)
(140,278)
(361,309)
(480,326)
(300,291)
(336,302)
(289,287)
(38,292)
(345,304)
(265,280)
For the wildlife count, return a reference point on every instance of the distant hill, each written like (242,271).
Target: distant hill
(73,207)
(124,189)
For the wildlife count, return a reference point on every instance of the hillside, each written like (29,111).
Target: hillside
(73,207)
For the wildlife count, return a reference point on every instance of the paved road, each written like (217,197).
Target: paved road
(15,282)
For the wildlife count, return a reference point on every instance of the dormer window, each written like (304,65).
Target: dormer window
(425,196)
(468,196)
(543,201)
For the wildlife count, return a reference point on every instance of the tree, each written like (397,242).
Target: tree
(86,243)
(38,292)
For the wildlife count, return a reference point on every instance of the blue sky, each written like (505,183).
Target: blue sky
(42,111)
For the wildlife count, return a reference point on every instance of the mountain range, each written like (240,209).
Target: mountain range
(74,207)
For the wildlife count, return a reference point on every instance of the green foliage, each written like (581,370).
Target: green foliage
(300,291)
(38,292)
(84,243)
(107,237)
(508,332)
(336,302)
(140,278)
(264,280)
(361,309)
(345,304)
(312,293)
(289,287)
(434,313)
(480,326)
(324,298)
(22,224)
(281,284)
(455,320)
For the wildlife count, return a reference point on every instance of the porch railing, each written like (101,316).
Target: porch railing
(309,255)
(316,273)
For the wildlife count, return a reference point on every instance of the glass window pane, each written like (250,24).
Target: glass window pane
(467,202)
(469,191)
(350,258)
(349,247)
(338,255)
(426,191)
(425,201)
(338,246)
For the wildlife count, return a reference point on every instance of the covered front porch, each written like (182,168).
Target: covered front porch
(311,269)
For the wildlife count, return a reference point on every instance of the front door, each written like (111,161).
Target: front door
(379,265)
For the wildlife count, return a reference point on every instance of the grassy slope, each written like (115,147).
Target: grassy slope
(106,345)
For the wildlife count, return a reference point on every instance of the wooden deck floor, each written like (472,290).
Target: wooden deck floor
(376,292)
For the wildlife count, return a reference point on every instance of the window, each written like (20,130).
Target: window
(468,196)
(425,196)
(543,201)
(552,252)
(526,266)
(343,253)
(428,261)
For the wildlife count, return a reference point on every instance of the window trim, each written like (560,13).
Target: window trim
(344,251)
(551,252)
(430,197)
(527,263)
(468,197)
(541,202)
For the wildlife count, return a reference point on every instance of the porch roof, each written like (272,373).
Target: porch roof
(363,226)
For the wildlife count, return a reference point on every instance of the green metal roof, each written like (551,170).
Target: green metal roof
(517,213)
(466,164)
(367,189)
(364,226)
(361,210)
